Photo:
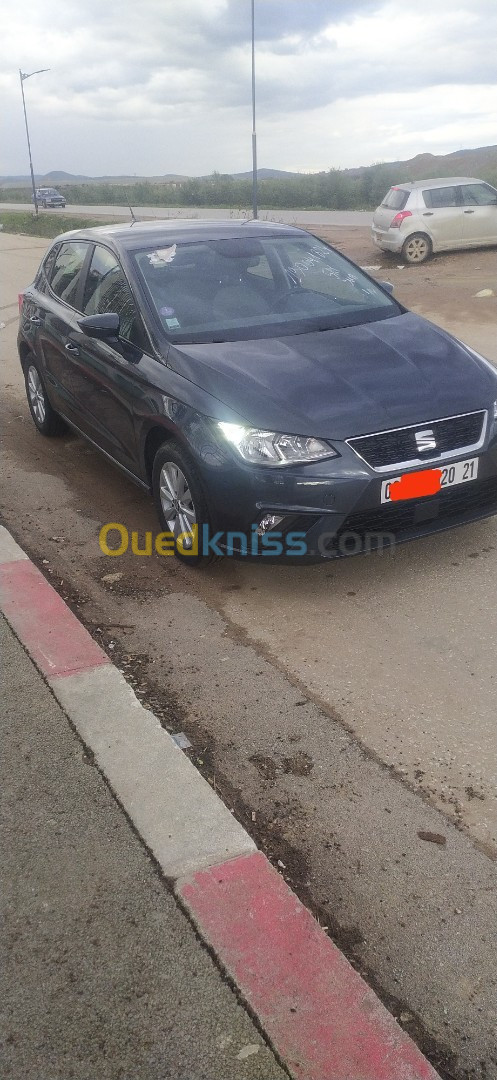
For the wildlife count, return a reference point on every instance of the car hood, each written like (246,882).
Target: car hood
(338,383)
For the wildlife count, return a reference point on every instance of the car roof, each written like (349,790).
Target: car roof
(138,234)
(439,181)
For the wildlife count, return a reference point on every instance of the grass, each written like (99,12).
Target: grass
(49,224)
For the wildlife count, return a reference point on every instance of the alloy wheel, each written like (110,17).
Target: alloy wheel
(36,395)
(417,249)
(176,501)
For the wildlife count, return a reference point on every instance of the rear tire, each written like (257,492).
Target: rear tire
(417,248)
(45,418)
(180,501)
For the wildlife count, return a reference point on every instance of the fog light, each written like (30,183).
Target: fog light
(268,522)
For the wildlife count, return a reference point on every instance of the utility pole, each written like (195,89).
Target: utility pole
(254,136)
(22,78)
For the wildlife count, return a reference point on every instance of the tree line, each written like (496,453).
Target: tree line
(361,189)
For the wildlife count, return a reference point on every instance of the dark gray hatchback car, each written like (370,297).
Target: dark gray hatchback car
(275,399)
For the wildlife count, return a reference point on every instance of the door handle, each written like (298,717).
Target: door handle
(35,320)
(469,211)
(428,213)
(72,348)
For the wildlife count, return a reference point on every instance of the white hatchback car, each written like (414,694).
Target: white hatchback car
(419,218)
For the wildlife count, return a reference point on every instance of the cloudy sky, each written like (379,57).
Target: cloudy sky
(158,86)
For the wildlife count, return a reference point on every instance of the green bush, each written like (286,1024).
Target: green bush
(45,224)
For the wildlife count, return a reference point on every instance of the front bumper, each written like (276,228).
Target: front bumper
(336,507)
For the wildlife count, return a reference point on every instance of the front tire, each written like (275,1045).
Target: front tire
(180,502)
(45,418)
(417,248)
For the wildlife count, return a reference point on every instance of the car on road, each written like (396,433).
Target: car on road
(49,196)
(274,398)
(414,220)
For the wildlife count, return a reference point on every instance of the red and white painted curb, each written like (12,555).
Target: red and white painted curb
(319,1015)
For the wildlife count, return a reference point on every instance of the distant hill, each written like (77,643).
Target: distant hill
(266,174)
(57,176)
(475,162)
(459,163)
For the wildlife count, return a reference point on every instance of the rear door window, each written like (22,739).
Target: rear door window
(45,272)
(436,198)
(395,199)
(67,269)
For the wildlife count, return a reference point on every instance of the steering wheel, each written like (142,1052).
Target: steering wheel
(283,296)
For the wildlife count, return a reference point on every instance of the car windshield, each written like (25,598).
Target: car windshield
(227,290)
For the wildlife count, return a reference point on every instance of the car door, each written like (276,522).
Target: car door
(110,375)
(443,215)
(479,202)
(57,316)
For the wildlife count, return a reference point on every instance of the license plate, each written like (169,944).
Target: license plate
(416,485)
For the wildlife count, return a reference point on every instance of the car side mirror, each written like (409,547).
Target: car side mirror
(387,286)
(105,326)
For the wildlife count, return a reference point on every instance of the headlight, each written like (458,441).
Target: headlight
(270,448)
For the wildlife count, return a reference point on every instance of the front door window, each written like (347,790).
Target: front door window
(106,290)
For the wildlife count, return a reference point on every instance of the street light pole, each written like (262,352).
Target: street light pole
(254,136)
(22,78)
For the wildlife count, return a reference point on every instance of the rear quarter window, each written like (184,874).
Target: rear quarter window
(395,199)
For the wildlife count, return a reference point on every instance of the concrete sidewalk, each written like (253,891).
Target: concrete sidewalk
(104,975)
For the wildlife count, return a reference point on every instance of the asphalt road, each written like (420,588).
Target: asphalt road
(305,217)
(341,709)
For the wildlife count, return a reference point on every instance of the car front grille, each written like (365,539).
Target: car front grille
(368,530)
(390,448)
